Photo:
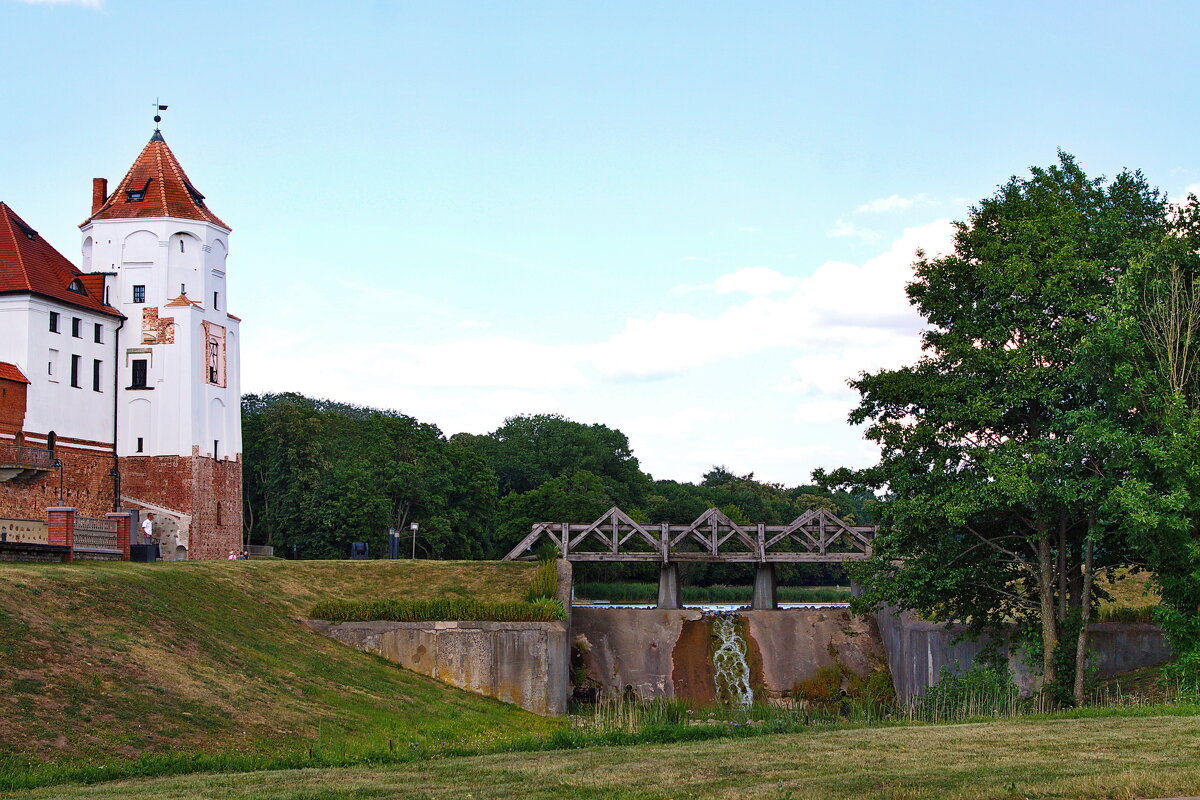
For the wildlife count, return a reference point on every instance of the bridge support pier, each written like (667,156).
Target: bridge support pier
(764,588)
(669,595)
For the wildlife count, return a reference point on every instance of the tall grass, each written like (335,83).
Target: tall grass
(545,581)
(634,592)
(1125,614)
(392,610)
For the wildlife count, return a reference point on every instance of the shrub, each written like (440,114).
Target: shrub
(823,687)
(392,610)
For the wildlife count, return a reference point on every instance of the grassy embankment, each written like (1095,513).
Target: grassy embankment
(1116,757)
(111,663)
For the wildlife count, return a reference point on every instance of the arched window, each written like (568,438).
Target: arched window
(77,287)
(51,440)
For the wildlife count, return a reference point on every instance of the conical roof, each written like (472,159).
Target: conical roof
(30,264)
(156,186)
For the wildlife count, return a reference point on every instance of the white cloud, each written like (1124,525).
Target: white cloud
(1191,188)
(890,203)
(848,230)
(771,365)
(840,307)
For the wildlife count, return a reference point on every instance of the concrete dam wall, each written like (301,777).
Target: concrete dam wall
(652,653)
(917,651)
(524,663)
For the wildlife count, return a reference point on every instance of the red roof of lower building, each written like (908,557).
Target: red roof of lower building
(30,264)
(10,372)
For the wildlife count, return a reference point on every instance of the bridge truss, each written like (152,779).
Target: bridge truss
(815,536)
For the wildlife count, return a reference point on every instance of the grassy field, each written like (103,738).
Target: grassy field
(1116,757)
(107,662)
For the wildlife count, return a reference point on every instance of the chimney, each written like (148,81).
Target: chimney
(99,193)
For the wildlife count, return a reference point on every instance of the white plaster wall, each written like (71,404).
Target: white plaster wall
(52,403)
(146,252)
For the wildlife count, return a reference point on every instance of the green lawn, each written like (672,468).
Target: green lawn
(119,661)
(1116,757)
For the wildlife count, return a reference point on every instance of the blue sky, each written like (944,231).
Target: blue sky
(692,221)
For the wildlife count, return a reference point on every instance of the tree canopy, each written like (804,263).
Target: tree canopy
(1000,480)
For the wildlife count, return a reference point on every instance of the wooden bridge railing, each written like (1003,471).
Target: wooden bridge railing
(814,536)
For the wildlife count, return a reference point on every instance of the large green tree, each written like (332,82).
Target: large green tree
(1149,343)
(997,483)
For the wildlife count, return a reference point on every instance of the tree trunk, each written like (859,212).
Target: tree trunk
(1085,613)
(1061,563)
(1049,621)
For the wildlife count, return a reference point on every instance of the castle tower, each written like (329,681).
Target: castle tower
(178,411)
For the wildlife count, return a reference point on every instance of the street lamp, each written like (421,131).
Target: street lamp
(58,465)
(414,527)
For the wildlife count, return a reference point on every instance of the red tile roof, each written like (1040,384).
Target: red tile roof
(166,190)
(10,372)
(29,264)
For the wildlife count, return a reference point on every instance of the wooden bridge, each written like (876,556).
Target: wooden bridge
(816,536)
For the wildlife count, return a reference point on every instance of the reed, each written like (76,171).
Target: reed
(544,585)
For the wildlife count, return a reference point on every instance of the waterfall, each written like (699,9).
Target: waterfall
(731,673)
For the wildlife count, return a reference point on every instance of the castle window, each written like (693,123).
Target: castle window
(139,294)
(181,245)
(139,374)
(140,444)
(77,327)
(98,332)
(96,368)
(75,371)
(51,441)
(216,297)
(77,287)
(54,322)
(52,364)
(216,444)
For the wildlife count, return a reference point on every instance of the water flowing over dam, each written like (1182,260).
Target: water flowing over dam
(731,671)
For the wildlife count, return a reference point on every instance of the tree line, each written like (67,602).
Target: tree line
(319,475)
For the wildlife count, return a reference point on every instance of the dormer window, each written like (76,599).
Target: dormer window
(29,232)
(77,287)
(133,195)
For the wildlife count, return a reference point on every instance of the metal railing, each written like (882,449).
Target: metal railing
(26,457)
(95,533)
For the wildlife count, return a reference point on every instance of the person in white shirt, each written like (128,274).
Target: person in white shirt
(148,528)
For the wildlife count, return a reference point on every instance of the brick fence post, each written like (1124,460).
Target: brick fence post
(62,529)
(124,530)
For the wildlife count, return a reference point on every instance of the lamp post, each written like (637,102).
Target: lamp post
(414,527)
(59,466)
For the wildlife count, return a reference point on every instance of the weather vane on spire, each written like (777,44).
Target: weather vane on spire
(157,116)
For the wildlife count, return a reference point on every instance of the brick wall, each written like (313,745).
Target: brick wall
(86,485)
(12,405)
(209,491)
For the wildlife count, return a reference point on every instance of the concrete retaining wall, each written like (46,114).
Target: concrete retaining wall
(661,653)
(918,650)
(524,663)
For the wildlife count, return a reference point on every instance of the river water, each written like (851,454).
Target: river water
(711,607)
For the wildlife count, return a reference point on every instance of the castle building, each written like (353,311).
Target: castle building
(120,380)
